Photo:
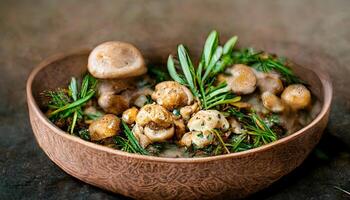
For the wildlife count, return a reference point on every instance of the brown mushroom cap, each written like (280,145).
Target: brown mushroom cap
(296,96)
(104,127)
(242,79)
(116,59)
(171,95)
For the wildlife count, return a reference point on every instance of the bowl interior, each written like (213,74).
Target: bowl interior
(58,70)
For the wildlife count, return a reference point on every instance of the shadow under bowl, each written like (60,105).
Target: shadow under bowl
(235,175)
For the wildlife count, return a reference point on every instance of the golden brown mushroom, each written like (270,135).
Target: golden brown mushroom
(154,122)
(116,59)
(242,79)
(104,127)
(144,141)
(155,115)
(171,95)
(269,82)
(297,96)
(187,111)
(112,95)
(272,102)
(129,116)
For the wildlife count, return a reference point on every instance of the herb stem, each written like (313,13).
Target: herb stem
(74,104)
(221,140)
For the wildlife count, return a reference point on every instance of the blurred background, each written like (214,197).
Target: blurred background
(31,30)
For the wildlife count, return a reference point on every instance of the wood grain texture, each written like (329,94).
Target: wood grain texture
(145,177)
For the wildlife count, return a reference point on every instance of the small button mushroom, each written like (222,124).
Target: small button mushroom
(180,128)
(140,101)
(155,115)
(197,138)
(129,116)
(242,79)
(116,59)
(272,102)
(206,120)
(171,95)
(112,95)
(235,126)
(297,96)
(187,111)
(104,127)
(269,82)
(159,135)
(112,103)
(138,132)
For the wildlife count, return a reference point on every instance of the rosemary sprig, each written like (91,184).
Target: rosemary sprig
(264,62)
(254,128)
(200,80)
(124,144)
(135,147)
(68,103)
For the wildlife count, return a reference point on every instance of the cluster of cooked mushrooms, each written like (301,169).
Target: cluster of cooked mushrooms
(118,62)
(171,112)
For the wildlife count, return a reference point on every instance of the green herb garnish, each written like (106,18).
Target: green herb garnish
(68,103)
(255,129)
(131,139)
(201,80)
(264,62)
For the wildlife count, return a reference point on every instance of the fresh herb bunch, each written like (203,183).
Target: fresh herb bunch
(130,143)
(264,62)
(200,80)
(256,131)
(67,103)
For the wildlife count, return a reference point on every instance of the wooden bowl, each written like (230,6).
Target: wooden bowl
(234,175)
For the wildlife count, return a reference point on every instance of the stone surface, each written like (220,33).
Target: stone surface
(32,30)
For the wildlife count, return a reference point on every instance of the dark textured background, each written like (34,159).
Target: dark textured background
(32,30)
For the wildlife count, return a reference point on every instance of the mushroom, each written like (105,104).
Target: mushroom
(143,140)
(115,96)
(297,96)
(235,126)
(112,103)
(206,120)
(200,126)
(112,95)
(197,138)
(180,128)
(272,102)
(270,82)
(187,111)
(129,116)
(159,135)
(155,122)
(242,79)
(104,127)
(155,115)
(116,59)
(171,95)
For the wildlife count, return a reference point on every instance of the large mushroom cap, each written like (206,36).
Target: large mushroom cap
(116,59)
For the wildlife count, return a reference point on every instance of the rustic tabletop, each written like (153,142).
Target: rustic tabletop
(32,30)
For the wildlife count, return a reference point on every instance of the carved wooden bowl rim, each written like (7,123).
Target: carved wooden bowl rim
(323,76)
